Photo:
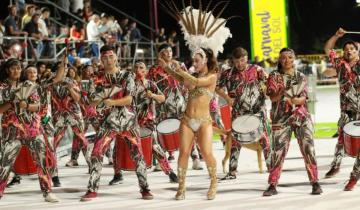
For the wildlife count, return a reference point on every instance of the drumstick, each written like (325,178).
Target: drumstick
(219,131)
(66,46)
(162,79)
(66,52)
(352,32)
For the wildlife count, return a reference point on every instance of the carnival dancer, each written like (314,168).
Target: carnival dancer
(65,97)
(246,86)
(197,121)
(113,94)
(91,117)
(146,94)
(21,126)
(174,91)
(205,42)
(288,92)
(47,127)
(348,75)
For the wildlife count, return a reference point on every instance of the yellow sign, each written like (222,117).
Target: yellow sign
(268,26)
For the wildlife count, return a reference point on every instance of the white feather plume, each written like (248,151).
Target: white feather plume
(214,42)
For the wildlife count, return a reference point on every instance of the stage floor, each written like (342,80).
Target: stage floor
(243,193)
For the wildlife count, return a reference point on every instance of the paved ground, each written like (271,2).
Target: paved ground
(244,192)
(327,106)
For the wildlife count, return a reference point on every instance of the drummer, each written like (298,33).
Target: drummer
(21,126)
(244,78)
(66,112)
(91,117)
(121,104)
(289,114)
(47,127)
(174,105)
(147,93)
(348,76)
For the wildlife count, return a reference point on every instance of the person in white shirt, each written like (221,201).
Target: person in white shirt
(45,13)
(43,24)
(93,34)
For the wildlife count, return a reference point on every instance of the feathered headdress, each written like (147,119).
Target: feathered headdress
(201,28)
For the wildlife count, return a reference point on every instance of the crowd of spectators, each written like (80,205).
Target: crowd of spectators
(86,34)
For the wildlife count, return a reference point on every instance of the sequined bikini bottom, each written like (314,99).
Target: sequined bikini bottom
(195,123)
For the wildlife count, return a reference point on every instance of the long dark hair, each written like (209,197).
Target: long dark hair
(212,63)
(4,72)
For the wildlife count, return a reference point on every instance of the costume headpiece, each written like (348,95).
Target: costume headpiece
(201,28)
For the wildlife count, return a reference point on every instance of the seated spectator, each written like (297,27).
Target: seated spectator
(135,36)
(125,46)
(33,30)
(13,50)
(94,34)
(72,54)
(63,34)
(161,37)
(103,26)
(44,24)
(115,29)
(30,10)
(173,42)
(77,33)
(124,24)
(87,11)
(11,26)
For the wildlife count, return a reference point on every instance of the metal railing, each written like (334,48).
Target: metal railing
(127,52)
(57,47)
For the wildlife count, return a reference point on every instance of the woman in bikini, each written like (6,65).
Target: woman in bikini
(196,121)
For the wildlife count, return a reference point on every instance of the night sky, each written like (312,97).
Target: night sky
(311,22)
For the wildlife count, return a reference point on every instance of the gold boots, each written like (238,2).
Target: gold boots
(213,183)
(180,195)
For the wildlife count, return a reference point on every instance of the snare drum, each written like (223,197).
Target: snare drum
(123,151)
(168,134)
(247,129)
(352,138)
(24,163)
(225,113)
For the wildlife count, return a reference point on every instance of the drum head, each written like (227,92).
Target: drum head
(246,123)
(352,128)
(144,132)
(168,126)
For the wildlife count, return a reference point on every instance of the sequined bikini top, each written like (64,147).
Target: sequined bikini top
(198,91)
